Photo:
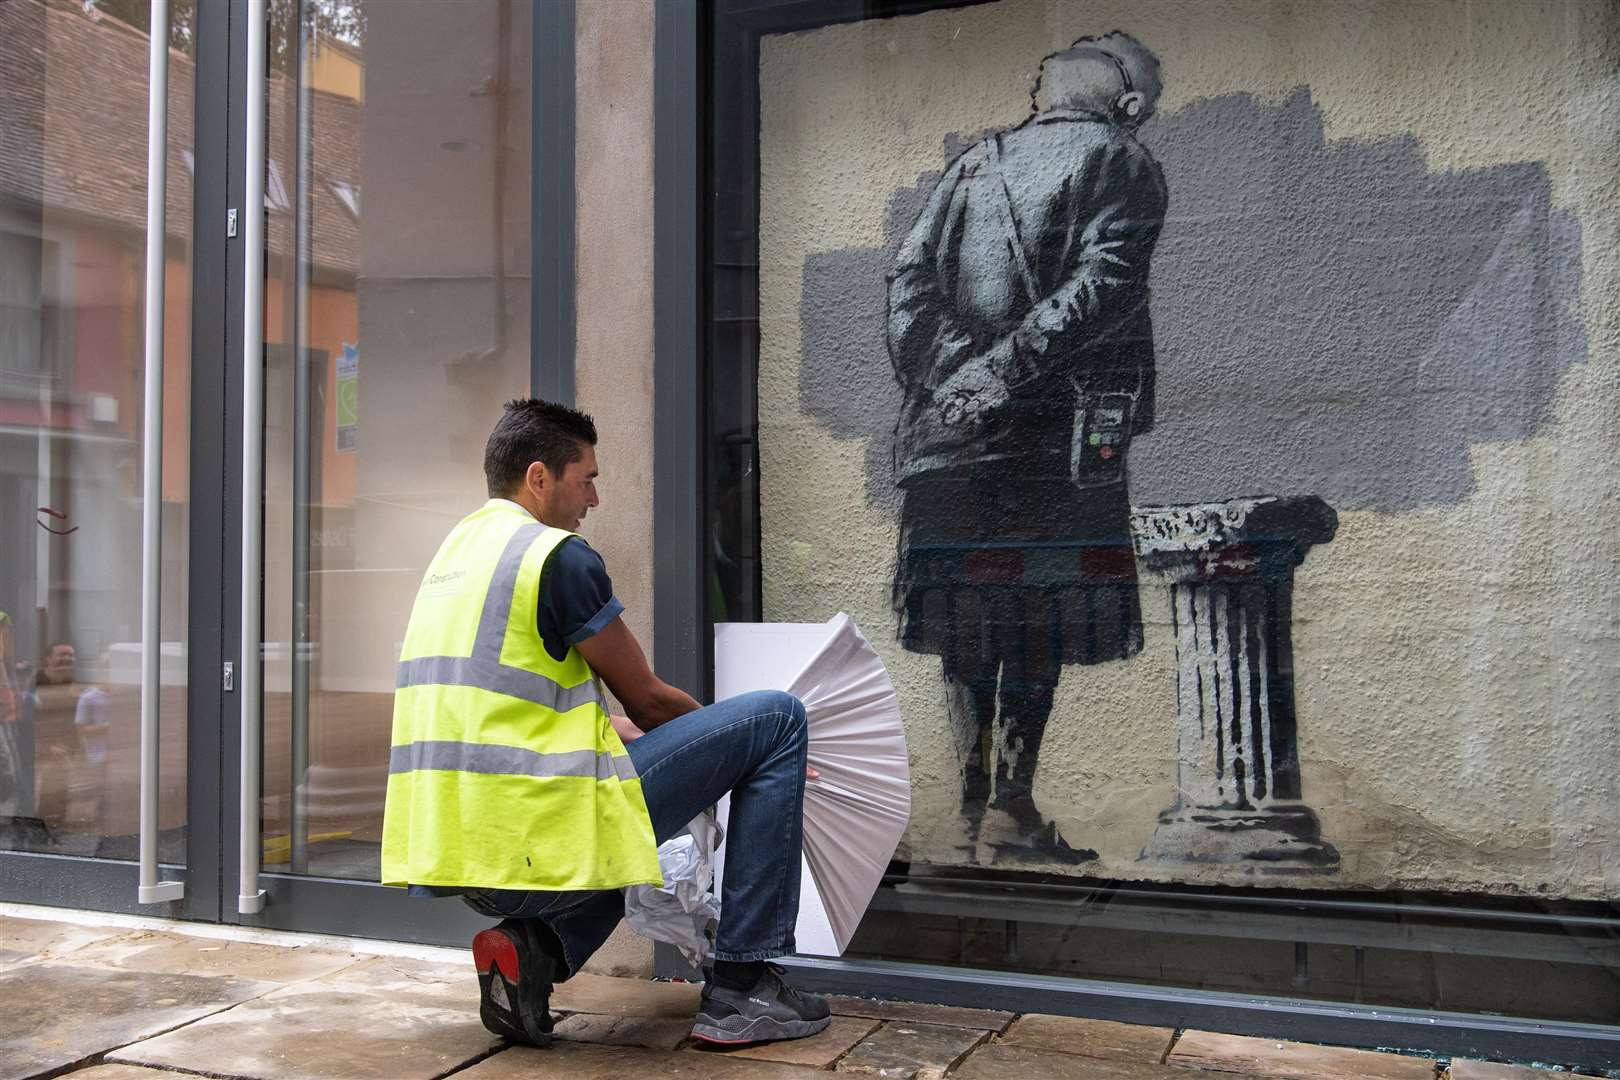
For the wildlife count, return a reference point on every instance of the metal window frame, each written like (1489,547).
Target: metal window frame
(680,605)
(1473,1035)
(682,621)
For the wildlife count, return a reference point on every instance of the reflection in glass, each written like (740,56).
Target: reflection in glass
(396,322)
(72,282)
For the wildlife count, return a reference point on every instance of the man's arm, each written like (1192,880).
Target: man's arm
(616,656)
(90,714)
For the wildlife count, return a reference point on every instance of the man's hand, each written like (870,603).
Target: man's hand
(627,731)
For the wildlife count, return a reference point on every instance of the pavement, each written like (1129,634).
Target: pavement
(110,998)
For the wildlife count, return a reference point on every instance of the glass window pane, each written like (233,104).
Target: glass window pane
(72,360)
(1204,421)
(396,323)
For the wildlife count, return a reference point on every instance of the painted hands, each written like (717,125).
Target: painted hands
(970,393)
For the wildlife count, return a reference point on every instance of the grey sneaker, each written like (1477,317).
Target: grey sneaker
(766,1011)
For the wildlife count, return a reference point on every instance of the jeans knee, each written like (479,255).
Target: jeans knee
(782,703)
(801,723)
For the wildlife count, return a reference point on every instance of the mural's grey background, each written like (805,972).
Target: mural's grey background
(1419,311)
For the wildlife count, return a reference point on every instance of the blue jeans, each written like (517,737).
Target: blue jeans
(753,746)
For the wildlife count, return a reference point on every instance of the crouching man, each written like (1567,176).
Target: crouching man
(511,786)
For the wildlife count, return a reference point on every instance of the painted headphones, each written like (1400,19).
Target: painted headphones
(1131,101)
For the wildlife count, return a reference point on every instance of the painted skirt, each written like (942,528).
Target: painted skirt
(994,563)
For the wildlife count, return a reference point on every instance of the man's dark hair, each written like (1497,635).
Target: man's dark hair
(533,430)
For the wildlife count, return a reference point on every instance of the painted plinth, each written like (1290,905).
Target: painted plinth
(1230,570)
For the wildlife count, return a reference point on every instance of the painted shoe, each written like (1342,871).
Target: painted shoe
(767,1011)
(515,975)
(1044,847)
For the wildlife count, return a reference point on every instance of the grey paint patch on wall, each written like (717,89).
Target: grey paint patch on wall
(1329,317)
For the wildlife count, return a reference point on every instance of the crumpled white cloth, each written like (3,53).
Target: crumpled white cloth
(684,911)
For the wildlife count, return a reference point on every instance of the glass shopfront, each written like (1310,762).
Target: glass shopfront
(391,260)
(1207,411)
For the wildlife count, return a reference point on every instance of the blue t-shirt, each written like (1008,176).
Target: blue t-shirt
(576,603)
(576,597)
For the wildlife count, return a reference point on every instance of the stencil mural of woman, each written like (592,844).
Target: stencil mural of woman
(1018,328)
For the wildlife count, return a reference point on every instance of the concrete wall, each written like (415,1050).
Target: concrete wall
(1387,277)
(613,276)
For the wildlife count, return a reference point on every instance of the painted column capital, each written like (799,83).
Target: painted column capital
(1234,538)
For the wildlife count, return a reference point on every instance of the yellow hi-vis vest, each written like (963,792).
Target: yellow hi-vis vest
(504,772)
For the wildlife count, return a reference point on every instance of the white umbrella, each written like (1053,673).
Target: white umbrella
(855,813)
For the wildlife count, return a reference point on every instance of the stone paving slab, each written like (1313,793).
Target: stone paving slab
(1001,1061)
(1468,1069)
(907,1051)
(24,941)
(652,1032)
(146,950)
(1292,1061)
(125,1072)
(58,1014)
(818,1051)
(1091,1038)
(944,1015)
(403,976)
(320,1031)
(580,1061)
(623,997)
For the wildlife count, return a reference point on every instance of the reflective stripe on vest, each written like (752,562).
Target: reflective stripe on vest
(478,672)
(508,760)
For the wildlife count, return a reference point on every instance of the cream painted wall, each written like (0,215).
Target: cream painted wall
(1456,663)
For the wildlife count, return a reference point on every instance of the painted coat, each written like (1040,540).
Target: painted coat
(1022,285)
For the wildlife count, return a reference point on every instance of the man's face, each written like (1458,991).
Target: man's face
(566,498)
(59,663)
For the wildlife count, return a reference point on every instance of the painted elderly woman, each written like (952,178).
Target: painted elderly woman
(1019,331)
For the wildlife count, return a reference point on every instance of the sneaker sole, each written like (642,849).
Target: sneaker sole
(495,956)
(759,1029)
(492,948)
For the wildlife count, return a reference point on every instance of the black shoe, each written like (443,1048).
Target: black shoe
(768,1010)
(515,973)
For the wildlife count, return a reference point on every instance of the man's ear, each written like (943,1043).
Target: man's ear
(1129,105)
(537,477)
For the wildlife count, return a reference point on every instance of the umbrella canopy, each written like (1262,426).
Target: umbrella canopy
(855,813)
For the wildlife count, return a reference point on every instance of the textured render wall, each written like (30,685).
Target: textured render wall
(1387,277)
(613,277)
